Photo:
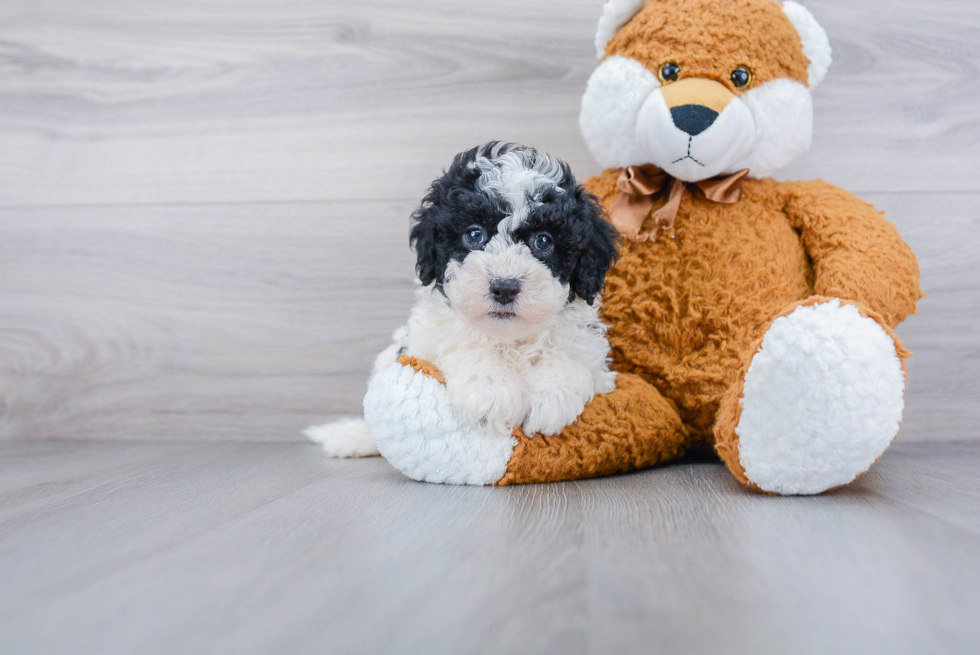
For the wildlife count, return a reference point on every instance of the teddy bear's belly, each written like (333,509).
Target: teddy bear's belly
(683,310)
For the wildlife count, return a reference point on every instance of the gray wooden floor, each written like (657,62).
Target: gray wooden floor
(267,548)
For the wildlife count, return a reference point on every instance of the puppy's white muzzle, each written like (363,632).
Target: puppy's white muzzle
(468,287)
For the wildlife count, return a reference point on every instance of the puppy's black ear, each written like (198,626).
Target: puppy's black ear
(432,221)
(424,240)
(599,241)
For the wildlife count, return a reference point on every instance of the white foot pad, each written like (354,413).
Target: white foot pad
(823,399)
(419,433)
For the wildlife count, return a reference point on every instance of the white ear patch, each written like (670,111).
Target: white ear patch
(610,107)
(816,43)
(615,14)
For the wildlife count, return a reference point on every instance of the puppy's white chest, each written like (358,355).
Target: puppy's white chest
(521,358)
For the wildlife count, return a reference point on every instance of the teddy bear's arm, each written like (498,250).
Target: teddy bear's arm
(857,254)
(416,428)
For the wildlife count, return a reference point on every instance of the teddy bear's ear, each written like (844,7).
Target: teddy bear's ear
(816,44)
(615,14)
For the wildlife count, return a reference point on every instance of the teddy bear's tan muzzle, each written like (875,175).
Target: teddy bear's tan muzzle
(696,103)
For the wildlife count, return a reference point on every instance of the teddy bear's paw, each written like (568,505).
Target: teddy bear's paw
(346,437)
(549,412)
(823,399)
(415,427)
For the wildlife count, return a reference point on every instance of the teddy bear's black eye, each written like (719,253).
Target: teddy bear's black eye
(669,72)
(741,77)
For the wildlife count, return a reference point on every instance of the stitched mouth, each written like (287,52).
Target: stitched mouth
(690,139)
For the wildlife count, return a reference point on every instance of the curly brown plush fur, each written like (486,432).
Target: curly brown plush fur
(633,427)
(711,38)
(684,309)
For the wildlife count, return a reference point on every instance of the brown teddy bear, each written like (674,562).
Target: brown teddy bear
(746,315)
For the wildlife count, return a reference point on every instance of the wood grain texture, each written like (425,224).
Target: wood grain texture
(944,373)
(252,321)
(114,101)
(204,204)
(269,548)
(241,321)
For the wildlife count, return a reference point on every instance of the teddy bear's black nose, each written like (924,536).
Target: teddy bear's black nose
(505,291)
(693,119)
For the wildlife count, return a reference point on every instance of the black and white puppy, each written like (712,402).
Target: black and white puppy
(512,258)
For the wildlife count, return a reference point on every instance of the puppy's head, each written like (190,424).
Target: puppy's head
(511,238)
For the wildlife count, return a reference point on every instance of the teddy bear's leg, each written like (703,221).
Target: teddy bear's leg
(633,427)
(416,429)
(819,399)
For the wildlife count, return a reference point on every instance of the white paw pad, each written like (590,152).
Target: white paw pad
(420,434)
(823,399)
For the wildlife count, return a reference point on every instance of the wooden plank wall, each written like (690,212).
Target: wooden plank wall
(203,203)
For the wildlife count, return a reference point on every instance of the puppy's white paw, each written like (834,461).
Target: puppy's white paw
(549,412)
(485,403)
(347,437)
(605,382)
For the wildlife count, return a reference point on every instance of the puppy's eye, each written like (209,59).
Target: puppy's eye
(669,72)
(474,237)
(542,242)
(741,77)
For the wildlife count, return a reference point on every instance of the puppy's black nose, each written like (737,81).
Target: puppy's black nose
(505,291)
(693,119)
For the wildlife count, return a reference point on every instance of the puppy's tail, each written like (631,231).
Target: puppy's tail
(349,437)
(346,437)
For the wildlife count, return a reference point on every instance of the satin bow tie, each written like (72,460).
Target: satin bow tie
(641,185)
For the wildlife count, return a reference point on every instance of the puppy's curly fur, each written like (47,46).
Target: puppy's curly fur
(512,257)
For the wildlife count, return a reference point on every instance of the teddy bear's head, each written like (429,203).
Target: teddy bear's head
(703,88)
